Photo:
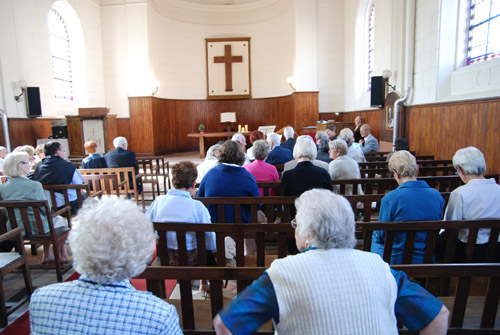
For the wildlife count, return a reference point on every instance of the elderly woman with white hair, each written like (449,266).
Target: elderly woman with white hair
(479,198)
(20,188)
(331,288)
(413,200)
(210,161)
(111,241)
(353,149)
(261,170)
(343,166)
(305,176)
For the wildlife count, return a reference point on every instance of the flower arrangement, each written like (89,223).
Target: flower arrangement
(201,128)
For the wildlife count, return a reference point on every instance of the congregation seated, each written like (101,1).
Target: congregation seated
(316,162)
(112,242)
(479,198)
(343,166)
(178,206)
(93,160)
(261,170)
(209,162)
(413,200)
(121,157)
(330,287)
(55,170)
(20,188)
(39,156)
(320,134)
(278,155)
(229,179)
(400,144)
(353,148)
(254,136)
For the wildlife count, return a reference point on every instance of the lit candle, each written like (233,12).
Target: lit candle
(239,128)
(246,127)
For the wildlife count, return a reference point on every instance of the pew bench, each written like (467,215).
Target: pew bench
(458,302)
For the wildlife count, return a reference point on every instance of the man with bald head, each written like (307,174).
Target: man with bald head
(368,143)
(358,122)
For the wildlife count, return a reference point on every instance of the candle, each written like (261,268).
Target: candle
(246,127)
(239,128)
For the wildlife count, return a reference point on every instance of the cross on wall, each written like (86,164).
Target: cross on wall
(228,60)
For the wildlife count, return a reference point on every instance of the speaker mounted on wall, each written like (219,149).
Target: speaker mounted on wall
(377,92)
(33,104)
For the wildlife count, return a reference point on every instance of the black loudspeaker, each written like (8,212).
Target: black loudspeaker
(33,104)
(378,92)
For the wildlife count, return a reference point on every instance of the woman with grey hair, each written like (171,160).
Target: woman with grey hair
(305,176)
(323,148)
(343,166)
(261,170)
(413,200)
(320,135)
(477,199)
(19,188)
(318,291)
(209,162)
(353,149)
(112,241)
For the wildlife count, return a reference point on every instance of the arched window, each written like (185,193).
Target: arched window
(484,27)
(60,47)
(370,45)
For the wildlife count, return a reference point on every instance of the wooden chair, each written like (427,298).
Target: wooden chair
(56,237)
(149,166)
(9,262)
(103,184)
(81,193)
(126,177)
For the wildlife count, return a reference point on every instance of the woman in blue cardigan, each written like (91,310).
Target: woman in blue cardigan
(413,200)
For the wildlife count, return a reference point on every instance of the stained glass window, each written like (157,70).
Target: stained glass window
(484,31)
(61,56)
(371,37)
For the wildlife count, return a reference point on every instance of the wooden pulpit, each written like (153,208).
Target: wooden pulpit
(91,124)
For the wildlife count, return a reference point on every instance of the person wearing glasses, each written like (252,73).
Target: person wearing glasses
(330,287)
(413,200)
(19,188)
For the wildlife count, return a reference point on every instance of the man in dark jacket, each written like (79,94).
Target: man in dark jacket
(121,157)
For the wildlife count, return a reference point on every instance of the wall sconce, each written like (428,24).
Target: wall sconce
(386,75)
(156,86)
(22,85)
(290,81)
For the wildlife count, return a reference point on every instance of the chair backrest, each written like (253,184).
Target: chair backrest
(80,189)
(154,167)
(103,184)
(126,178)
(30,214)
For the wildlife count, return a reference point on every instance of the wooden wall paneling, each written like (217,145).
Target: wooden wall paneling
(306,109)
(110,132)
(332,116)
(75,136)
(490,129)
(27,131)
(122,129)
(141,125)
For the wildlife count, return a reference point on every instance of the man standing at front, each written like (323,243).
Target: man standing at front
(121,157)
(357,131)
(54,170)
(369,143)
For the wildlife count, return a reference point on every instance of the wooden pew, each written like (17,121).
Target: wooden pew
(433,228)
(372,158)
(433,273)
(126,175)
(422,171)
(421,163)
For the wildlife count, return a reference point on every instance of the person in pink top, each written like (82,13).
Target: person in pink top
(261,170)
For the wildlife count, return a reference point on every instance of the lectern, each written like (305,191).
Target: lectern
(91,124)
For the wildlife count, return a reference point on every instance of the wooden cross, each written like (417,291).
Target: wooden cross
(228,60)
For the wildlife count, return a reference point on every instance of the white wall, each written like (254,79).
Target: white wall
(25,55)
(331,55)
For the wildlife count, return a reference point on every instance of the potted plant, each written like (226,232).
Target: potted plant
(201,128)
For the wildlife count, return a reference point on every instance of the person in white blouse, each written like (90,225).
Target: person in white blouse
(479,198)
